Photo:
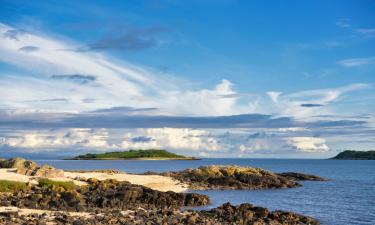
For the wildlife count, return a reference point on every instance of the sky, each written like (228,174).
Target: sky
(225,78)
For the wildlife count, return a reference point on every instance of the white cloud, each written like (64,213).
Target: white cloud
(292,129)
(308,144)
(274,95)
(354,62)
(293,104)
(179,139)
(55,139)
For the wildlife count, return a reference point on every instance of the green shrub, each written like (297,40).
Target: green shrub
(12,186)
(67,185)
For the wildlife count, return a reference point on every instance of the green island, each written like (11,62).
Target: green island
(151,154)
(356,155)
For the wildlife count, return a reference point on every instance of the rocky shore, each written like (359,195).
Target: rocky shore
(112,201)
(238,178)
(227,214)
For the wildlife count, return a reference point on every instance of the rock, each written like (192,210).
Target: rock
(22,165)
(108,194)
(192,199)
(222,215)
(231,177)
(30,168)
(301,176)
(47,171)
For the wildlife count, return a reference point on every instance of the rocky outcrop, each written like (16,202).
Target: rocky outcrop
(108,194)
(301,176)
(20,164)
(226,214)
(231,177)
(30,168)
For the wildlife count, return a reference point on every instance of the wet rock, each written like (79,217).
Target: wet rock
(301,176)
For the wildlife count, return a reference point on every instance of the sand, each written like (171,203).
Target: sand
(156,182)
(25,211)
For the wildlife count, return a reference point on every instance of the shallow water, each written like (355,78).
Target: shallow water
(349,198)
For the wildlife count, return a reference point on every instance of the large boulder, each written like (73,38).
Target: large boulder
(47,171)
(22,165)
(30,168)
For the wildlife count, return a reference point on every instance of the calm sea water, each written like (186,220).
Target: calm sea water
(349,198)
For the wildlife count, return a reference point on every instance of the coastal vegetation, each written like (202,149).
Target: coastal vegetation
(356,155)
(133,154)
(12,186)
(47,183)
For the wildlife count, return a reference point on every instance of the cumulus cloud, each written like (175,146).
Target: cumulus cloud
(84,139)
(178,139)
(57,139)
(274,95)
(308,144)
(184,140)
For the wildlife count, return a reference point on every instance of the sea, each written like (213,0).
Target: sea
(348,198)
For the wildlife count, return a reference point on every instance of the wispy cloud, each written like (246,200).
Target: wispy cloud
(368,32)
(344,23)
(354,62)
(117,83)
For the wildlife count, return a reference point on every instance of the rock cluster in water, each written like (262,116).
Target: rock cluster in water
(235,177)
(30,168)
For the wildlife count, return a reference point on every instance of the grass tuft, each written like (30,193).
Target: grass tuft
(12,186)
(47,183)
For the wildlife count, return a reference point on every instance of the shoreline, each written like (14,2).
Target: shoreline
(109,195)
(141,159)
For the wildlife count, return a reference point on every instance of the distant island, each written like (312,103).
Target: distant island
(356,155)
(152,154)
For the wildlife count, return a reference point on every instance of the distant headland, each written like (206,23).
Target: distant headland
(151,154)
(356,155)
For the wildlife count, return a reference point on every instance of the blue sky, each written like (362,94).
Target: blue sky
(285,78)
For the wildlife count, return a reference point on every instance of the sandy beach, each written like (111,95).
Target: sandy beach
(156,182)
